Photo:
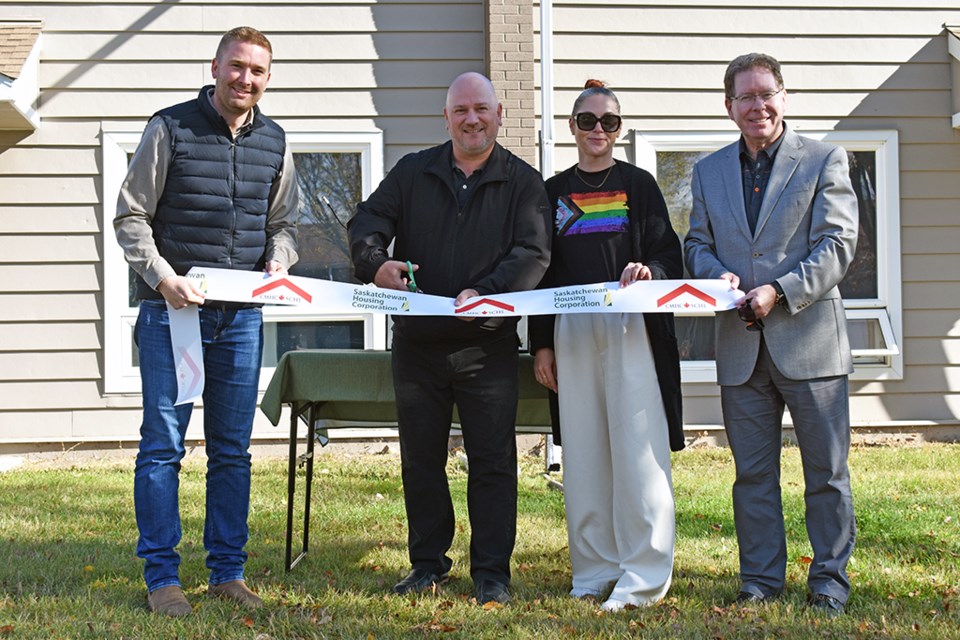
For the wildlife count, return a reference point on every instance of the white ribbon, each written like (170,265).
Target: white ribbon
(187,352)
(643,296)
(682,297)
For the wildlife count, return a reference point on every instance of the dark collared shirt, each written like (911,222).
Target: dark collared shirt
(756,174)
(464,185)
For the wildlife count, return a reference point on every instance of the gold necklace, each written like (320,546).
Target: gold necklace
(576,170)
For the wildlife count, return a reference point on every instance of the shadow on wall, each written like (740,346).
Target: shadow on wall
(420,49)
(916,101)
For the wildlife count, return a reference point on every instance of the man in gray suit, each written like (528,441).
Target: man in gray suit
(775,214)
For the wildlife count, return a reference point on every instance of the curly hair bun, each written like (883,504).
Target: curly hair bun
(593,83)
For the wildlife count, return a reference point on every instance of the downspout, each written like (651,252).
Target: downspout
(546,88)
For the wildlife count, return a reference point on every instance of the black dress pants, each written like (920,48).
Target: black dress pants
(482,381)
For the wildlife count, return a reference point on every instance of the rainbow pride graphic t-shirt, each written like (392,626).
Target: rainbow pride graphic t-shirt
(594,212)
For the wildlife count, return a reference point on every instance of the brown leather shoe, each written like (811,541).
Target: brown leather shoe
(236,591)
(169,601)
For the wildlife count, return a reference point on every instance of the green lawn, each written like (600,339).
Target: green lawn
(68,569)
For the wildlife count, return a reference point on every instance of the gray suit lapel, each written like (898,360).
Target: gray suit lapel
(786,163)
(732,181)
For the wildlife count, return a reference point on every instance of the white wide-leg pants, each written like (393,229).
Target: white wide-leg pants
(616,458)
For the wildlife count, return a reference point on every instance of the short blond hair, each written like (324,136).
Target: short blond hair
(244,34)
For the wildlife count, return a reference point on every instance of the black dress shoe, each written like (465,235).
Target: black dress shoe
(827,605)
(419,580)
(492,591)
(748,597)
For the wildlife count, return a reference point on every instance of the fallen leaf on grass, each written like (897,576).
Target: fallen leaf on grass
(443,605)
(6,630)
(493,604)
(804,559)
(435,625)
(716,527)
(248,621)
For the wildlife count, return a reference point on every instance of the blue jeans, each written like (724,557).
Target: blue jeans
(232,348)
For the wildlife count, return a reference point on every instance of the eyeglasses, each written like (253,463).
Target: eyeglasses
(609,122)
(748,315)
(747,99)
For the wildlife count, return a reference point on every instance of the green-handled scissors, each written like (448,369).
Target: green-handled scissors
(411,281)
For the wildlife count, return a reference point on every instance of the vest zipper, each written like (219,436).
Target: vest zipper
(233,201)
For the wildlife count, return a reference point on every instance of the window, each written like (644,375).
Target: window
(335,171)
(871,288)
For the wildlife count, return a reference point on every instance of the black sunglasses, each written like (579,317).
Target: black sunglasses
(609,122)
(748,315)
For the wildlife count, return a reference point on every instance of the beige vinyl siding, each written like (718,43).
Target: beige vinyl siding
(355,66)
(49,336)
(107,66)
(847,66)
(49,277)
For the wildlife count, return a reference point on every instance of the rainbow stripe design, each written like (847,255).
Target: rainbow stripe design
(603,212)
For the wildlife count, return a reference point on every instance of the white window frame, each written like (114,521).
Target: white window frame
(120,376)
(887,307)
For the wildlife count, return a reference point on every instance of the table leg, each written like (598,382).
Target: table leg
(294,462)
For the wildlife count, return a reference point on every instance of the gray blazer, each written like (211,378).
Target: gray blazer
(805,239)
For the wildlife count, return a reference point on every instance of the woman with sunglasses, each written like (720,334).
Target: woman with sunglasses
(617,375)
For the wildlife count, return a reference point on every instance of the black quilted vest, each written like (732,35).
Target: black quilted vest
(213,209)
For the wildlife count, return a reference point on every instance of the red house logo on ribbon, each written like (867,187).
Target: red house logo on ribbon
(195,373)
(498,306)
(686,288)
(281,283)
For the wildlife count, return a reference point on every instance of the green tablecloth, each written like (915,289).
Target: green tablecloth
(357,386)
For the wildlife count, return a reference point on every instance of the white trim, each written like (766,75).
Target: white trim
(886,332)
(888,306)
(21,94)
(120,376)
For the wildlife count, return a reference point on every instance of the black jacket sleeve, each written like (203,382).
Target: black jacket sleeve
(373,227)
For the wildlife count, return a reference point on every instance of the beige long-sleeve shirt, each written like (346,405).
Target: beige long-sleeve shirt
(143,186)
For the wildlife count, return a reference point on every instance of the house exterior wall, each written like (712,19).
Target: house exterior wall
(107,66)
(847,66)
(349,66)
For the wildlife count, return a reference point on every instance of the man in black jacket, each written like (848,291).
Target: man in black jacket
(473,219)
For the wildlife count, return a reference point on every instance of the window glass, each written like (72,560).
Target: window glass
(331,185)
(674,171)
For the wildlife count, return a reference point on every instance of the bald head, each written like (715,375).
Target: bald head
(474,83)
(473,116)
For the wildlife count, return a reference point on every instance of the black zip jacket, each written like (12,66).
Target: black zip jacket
(498,243)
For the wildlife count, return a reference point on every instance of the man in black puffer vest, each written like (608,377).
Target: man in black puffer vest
(211,184)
